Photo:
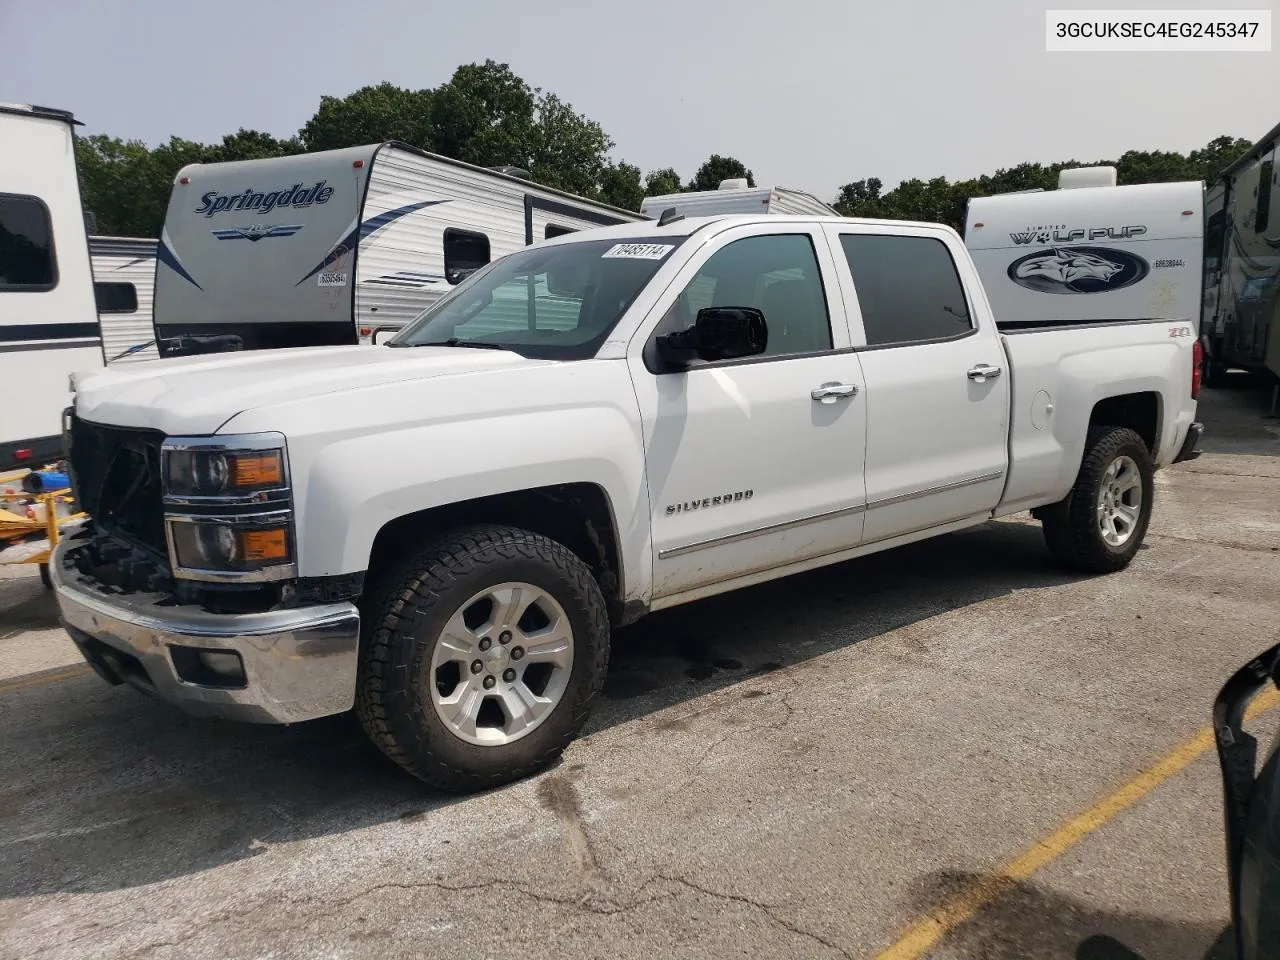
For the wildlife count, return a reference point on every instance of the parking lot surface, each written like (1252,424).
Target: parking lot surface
(841,764)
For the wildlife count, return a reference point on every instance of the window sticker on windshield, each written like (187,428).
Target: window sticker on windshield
(331,280)
(638,251)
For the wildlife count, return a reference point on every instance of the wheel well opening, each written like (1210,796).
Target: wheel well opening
(1140,412)
(574,514)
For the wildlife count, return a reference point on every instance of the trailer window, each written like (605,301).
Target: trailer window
(1262,216)
(116,297)
(465,252)
(27,260)
(555,231)
(908,289)
(1215,235)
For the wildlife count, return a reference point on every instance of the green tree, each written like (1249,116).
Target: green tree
(718,168)
(485,115)
(371,115)
(659,183)
(566,149)
(620,185)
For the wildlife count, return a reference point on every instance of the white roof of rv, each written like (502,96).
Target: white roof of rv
(32,110)
(1165,209)
(367,153)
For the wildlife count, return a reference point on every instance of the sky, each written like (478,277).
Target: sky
(810,94)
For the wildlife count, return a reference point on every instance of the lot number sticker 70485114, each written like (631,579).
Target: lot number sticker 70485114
(638,251)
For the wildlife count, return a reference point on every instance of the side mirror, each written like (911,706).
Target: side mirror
(373,337)
(718,333)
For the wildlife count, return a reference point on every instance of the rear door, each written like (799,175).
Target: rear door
(937,387)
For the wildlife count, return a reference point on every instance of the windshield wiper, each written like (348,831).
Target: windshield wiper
(455,342)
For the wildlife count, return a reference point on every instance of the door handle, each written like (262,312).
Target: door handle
(983,372)
(831,392)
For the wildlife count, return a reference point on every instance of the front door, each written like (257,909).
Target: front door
(753,463)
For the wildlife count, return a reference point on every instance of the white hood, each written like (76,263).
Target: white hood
(197,395)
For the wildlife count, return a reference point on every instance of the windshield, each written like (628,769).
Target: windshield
(555,303)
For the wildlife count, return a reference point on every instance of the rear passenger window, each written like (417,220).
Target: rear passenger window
(465,252)
(554,231)
(777,274)
(116,297)
(26,245)
(907,287)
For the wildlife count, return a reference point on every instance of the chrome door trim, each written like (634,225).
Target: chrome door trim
(687,548)
(758,532)
(930,491)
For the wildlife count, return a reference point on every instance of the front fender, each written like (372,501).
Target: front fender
(357,485)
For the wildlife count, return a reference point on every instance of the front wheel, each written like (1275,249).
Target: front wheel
(1099,526)
(483,657)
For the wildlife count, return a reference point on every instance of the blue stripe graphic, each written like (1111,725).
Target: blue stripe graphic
(166,256)
(366,229)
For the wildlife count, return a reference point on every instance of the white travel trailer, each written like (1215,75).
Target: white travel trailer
(332,247)
(48,325)
(1242,264)
(124,280)
(734,196)
(1090,251)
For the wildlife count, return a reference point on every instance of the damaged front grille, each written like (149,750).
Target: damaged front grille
(116,473)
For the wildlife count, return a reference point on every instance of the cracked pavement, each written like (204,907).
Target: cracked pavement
(800,769)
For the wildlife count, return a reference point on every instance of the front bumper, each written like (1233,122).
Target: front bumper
(298,664)
(1189,451)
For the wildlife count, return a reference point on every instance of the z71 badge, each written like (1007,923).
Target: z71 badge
(706,503)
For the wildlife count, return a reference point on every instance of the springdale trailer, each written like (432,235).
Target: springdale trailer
(124,281)
(734,196)
(331,247)
(48,325)
(1090,252)
(1241,319)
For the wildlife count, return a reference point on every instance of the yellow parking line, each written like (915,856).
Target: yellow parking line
(47,676)
(917,939)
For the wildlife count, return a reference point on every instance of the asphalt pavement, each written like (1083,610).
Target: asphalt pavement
(926,744)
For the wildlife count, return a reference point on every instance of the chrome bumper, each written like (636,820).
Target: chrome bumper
(298,664)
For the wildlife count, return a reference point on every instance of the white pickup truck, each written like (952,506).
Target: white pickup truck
(440,531)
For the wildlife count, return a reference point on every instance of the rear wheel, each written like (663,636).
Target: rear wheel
(483,656)
(1099,526)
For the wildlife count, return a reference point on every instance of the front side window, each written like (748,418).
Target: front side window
(908,289)
(556,303)
(778,275)
(465,252)
(116,297)
(27,261)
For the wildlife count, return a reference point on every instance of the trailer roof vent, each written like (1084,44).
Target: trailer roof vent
(737,183)
(518,172)
(1086,177)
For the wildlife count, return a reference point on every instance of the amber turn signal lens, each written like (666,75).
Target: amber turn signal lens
(259,545)
(257,470)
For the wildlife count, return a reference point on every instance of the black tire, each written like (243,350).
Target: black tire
(404,616)
(1071,527)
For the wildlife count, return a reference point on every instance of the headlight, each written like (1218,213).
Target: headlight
(231,544)
(216,473)
(228,507)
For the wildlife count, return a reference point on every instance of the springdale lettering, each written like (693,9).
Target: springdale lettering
(264,202)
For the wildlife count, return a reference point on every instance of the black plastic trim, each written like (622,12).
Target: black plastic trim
(43,450)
